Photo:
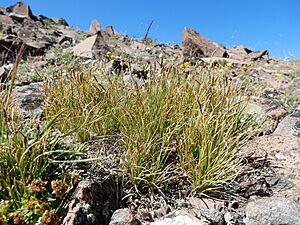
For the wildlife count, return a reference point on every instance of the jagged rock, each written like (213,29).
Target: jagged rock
(93,202)
(110,35)
(198,46)
(244,54)
(258,54)
(20,11)
(94,27)
(123,217)
(60,21)
(238,52)
(272,211)
(109,30)
(92,47)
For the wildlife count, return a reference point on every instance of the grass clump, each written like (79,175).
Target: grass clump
(171,126)
(32,187)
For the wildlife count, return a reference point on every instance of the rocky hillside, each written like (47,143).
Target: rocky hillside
(105,89)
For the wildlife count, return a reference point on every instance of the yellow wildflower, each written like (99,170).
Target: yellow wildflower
(12,35)
(184,65)
(278,74)
(229,64)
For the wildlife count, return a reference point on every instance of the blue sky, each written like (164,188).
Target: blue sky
(258,24)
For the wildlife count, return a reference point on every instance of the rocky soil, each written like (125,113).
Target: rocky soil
(268,195)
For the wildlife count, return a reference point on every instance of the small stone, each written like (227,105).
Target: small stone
(212,215)
(295,113)
(233,218)
(181,217)
(60,21)
(123,217)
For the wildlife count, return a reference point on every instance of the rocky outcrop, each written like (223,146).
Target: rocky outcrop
(198,46)
(18,26)
(195,45)
(244,54)
(20,11)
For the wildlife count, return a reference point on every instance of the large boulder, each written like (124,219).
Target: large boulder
(92,47)
(274,210)
(198,46)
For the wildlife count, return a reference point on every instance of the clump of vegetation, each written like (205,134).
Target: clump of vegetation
(193,125)
(32,186)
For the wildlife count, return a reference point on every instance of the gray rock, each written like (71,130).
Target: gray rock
(93,202)
(289,125)
(60,21)
(212,215)
(272,211)
(133,80)
(28,99)
(123,217)
(181,217)
(233,218)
